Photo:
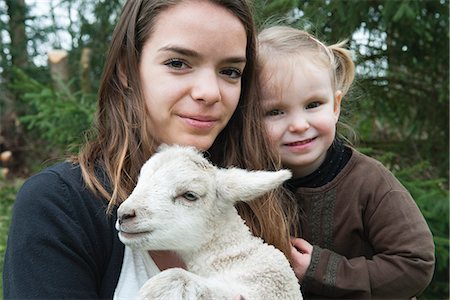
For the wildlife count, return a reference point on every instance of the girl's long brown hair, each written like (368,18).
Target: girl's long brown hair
(120,143)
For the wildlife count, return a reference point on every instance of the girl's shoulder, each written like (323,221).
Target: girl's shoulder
(60,186)
(64,171)
(370,172)
(363,161)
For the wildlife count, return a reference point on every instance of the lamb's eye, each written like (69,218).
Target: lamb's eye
(190,196)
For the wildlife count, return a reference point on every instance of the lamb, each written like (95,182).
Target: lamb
(185,204)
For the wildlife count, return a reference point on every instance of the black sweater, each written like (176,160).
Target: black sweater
(61,242)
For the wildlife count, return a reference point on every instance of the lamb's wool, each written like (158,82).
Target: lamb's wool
(185,204)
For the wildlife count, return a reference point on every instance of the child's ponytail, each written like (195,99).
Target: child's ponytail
(344,67)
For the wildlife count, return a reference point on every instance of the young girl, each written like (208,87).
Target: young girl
(362,235)
(178,72)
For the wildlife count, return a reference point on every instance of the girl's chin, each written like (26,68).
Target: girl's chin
(200,143)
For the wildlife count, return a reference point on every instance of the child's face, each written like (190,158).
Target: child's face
(301,112)
(191,70)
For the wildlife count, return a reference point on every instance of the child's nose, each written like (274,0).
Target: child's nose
(206,87)
(298,124)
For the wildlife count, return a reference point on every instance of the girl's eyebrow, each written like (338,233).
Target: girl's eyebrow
(179,50)
(195,54)
(318,95)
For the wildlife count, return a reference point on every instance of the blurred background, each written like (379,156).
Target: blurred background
(52,53)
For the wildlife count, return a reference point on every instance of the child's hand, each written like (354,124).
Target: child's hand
(301,252)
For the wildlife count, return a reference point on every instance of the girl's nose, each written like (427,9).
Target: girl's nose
(206,87)
(298,124)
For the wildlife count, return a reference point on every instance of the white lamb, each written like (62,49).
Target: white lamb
(185,204)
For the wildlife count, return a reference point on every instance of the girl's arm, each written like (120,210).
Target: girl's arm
(403,263)
(57,248)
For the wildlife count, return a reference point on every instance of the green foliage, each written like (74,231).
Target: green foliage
(58,118)
(96,34)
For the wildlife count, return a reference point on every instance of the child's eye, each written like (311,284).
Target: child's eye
(177,64)
(313,105)
(274,112)
(233,73)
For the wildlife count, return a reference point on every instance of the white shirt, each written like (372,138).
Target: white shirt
(137,268)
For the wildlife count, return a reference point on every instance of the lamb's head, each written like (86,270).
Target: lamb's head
(180,194)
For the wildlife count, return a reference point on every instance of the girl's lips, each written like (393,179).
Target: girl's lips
(300,146)
(299,143)
(199,122)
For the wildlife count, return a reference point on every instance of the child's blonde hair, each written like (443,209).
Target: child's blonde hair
(288,42)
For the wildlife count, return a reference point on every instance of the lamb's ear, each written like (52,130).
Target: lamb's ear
(242,185)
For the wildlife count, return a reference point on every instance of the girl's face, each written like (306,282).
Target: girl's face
(301,112)
(190,70)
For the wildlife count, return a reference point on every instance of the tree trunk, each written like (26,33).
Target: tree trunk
(85,66)
(17,14)
(11,132)
(58,61)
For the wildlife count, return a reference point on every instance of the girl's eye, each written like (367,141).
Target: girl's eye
(190,196)
(274,112)
(233,73)
(313,105)
(177,64)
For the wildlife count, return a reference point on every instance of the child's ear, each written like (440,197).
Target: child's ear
(337,104)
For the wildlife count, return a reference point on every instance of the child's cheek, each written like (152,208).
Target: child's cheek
(274,130)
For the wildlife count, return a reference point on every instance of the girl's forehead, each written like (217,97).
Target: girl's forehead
(191,9)
(282,74)
(281,68)
(198,29)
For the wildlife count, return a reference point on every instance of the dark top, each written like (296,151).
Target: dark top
(61,243)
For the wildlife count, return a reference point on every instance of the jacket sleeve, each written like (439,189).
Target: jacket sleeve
(402,266)
(51,252)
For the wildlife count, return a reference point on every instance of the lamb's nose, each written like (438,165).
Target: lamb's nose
(126,216)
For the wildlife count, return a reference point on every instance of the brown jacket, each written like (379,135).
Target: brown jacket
(369,238)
